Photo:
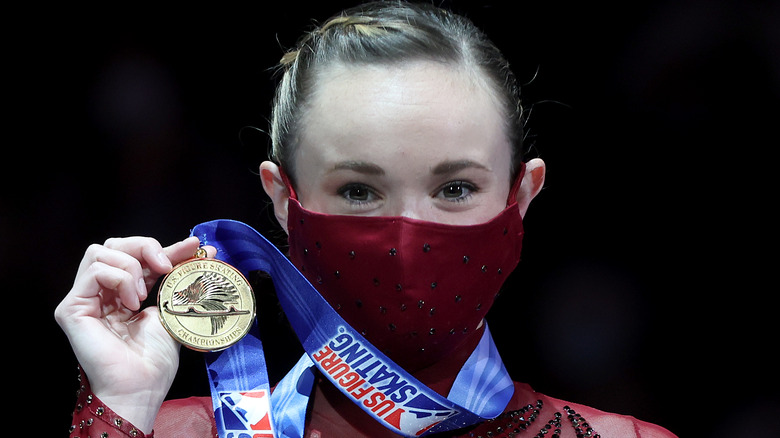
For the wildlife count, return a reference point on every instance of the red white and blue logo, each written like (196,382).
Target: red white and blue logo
(245,414)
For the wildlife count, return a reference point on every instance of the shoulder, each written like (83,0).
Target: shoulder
(606,424)
(610,424)
(191,416)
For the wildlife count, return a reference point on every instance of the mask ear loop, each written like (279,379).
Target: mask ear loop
(512,198)
(288,184)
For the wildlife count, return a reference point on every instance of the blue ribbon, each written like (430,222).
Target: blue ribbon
(381,388)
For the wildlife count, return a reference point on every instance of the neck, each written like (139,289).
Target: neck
(333,413)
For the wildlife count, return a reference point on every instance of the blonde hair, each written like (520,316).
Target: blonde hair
(388,33)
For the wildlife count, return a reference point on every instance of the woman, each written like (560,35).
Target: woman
(392,122)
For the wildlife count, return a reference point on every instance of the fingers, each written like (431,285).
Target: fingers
(97,254)
(210,251)
(128,253)
(106,269)
(181,251)
(144,249)
(129,288)
(127,267)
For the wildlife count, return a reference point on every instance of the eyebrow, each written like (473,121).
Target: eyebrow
(446,167)
(443,168)
(360,167)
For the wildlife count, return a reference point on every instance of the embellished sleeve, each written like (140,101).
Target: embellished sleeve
(92,418)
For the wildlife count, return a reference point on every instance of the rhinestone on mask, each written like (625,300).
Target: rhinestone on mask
(433,294)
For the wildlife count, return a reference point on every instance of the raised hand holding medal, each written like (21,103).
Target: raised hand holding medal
(109,332)
(206,304)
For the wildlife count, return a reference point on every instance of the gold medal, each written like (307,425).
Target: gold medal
(206,304)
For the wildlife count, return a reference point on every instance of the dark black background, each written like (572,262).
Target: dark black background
(646,286)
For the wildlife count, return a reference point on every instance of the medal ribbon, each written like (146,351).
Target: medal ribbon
(364,374)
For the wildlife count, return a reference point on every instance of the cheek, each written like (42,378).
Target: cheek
(486,208)
(313,200)
(307,187)
(321,196)
(490,210)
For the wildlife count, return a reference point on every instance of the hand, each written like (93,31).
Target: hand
(128,356)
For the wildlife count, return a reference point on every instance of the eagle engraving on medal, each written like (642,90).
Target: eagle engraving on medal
(206,304)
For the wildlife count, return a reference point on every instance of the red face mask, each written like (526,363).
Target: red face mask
(415,289)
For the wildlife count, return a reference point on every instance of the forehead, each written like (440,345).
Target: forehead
(416,109)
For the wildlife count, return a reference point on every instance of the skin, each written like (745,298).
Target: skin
(422,140)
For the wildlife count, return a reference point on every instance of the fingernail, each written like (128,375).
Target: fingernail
(164,260)
(142,287)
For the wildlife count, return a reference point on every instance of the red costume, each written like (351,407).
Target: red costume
(527,414)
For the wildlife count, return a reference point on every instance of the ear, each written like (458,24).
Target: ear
(532,183)
(273,184)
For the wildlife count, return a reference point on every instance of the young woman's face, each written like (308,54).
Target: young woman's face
(421,140)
